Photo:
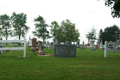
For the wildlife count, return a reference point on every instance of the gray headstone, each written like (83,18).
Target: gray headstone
(67,43)
(1,52)
(16,44)
(110,45)
(10,44)
(33,49)
(56,40)
(39,44)
(92,48)
(47,44)
(1,43)
(78,44)
(65,50)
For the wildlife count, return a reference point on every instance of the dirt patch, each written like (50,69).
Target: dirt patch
(44,55)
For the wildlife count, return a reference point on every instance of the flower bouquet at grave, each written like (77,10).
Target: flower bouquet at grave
(41,52)
(36,48)
(40,46)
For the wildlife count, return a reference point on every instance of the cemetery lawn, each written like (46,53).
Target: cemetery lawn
(88,65)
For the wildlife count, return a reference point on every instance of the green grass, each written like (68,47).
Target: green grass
(88,65)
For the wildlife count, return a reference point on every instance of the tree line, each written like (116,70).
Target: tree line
(64,32)
(15,25)
(111,33)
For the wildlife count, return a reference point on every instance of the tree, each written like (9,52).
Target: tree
(41,28)
(100,34)
(54,28)
(5,26)
(67,31)
(19,24)
(1,32)
(110,34)
(91,34)
(115,7)
(88,36)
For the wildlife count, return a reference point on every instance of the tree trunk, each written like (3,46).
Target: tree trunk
(6,39)
(19,37)
(88,41)
(6,34)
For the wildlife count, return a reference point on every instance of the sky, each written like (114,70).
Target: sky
(86,14)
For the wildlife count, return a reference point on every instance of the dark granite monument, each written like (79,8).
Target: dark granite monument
(34,42)
(64,50)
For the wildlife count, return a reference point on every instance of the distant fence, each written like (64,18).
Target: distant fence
(111,47)
(15,48)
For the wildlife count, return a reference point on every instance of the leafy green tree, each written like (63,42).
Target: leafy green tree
(115,7)
(19,24)
(67,31)
(41,28)
(110,34)
(88,36)
(5,26)
(100,34)
(91,34)
(1,32)
(54,28)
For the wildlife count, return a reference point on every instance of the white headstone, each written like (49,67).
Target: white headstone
(101,45)
(92,43)
(45,44)
(30,43)
(92,47)
(118,41)
(56,40)
(48,45)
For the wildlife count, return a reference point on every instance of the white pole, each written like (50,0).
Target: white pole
(24,54)
(105,51)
